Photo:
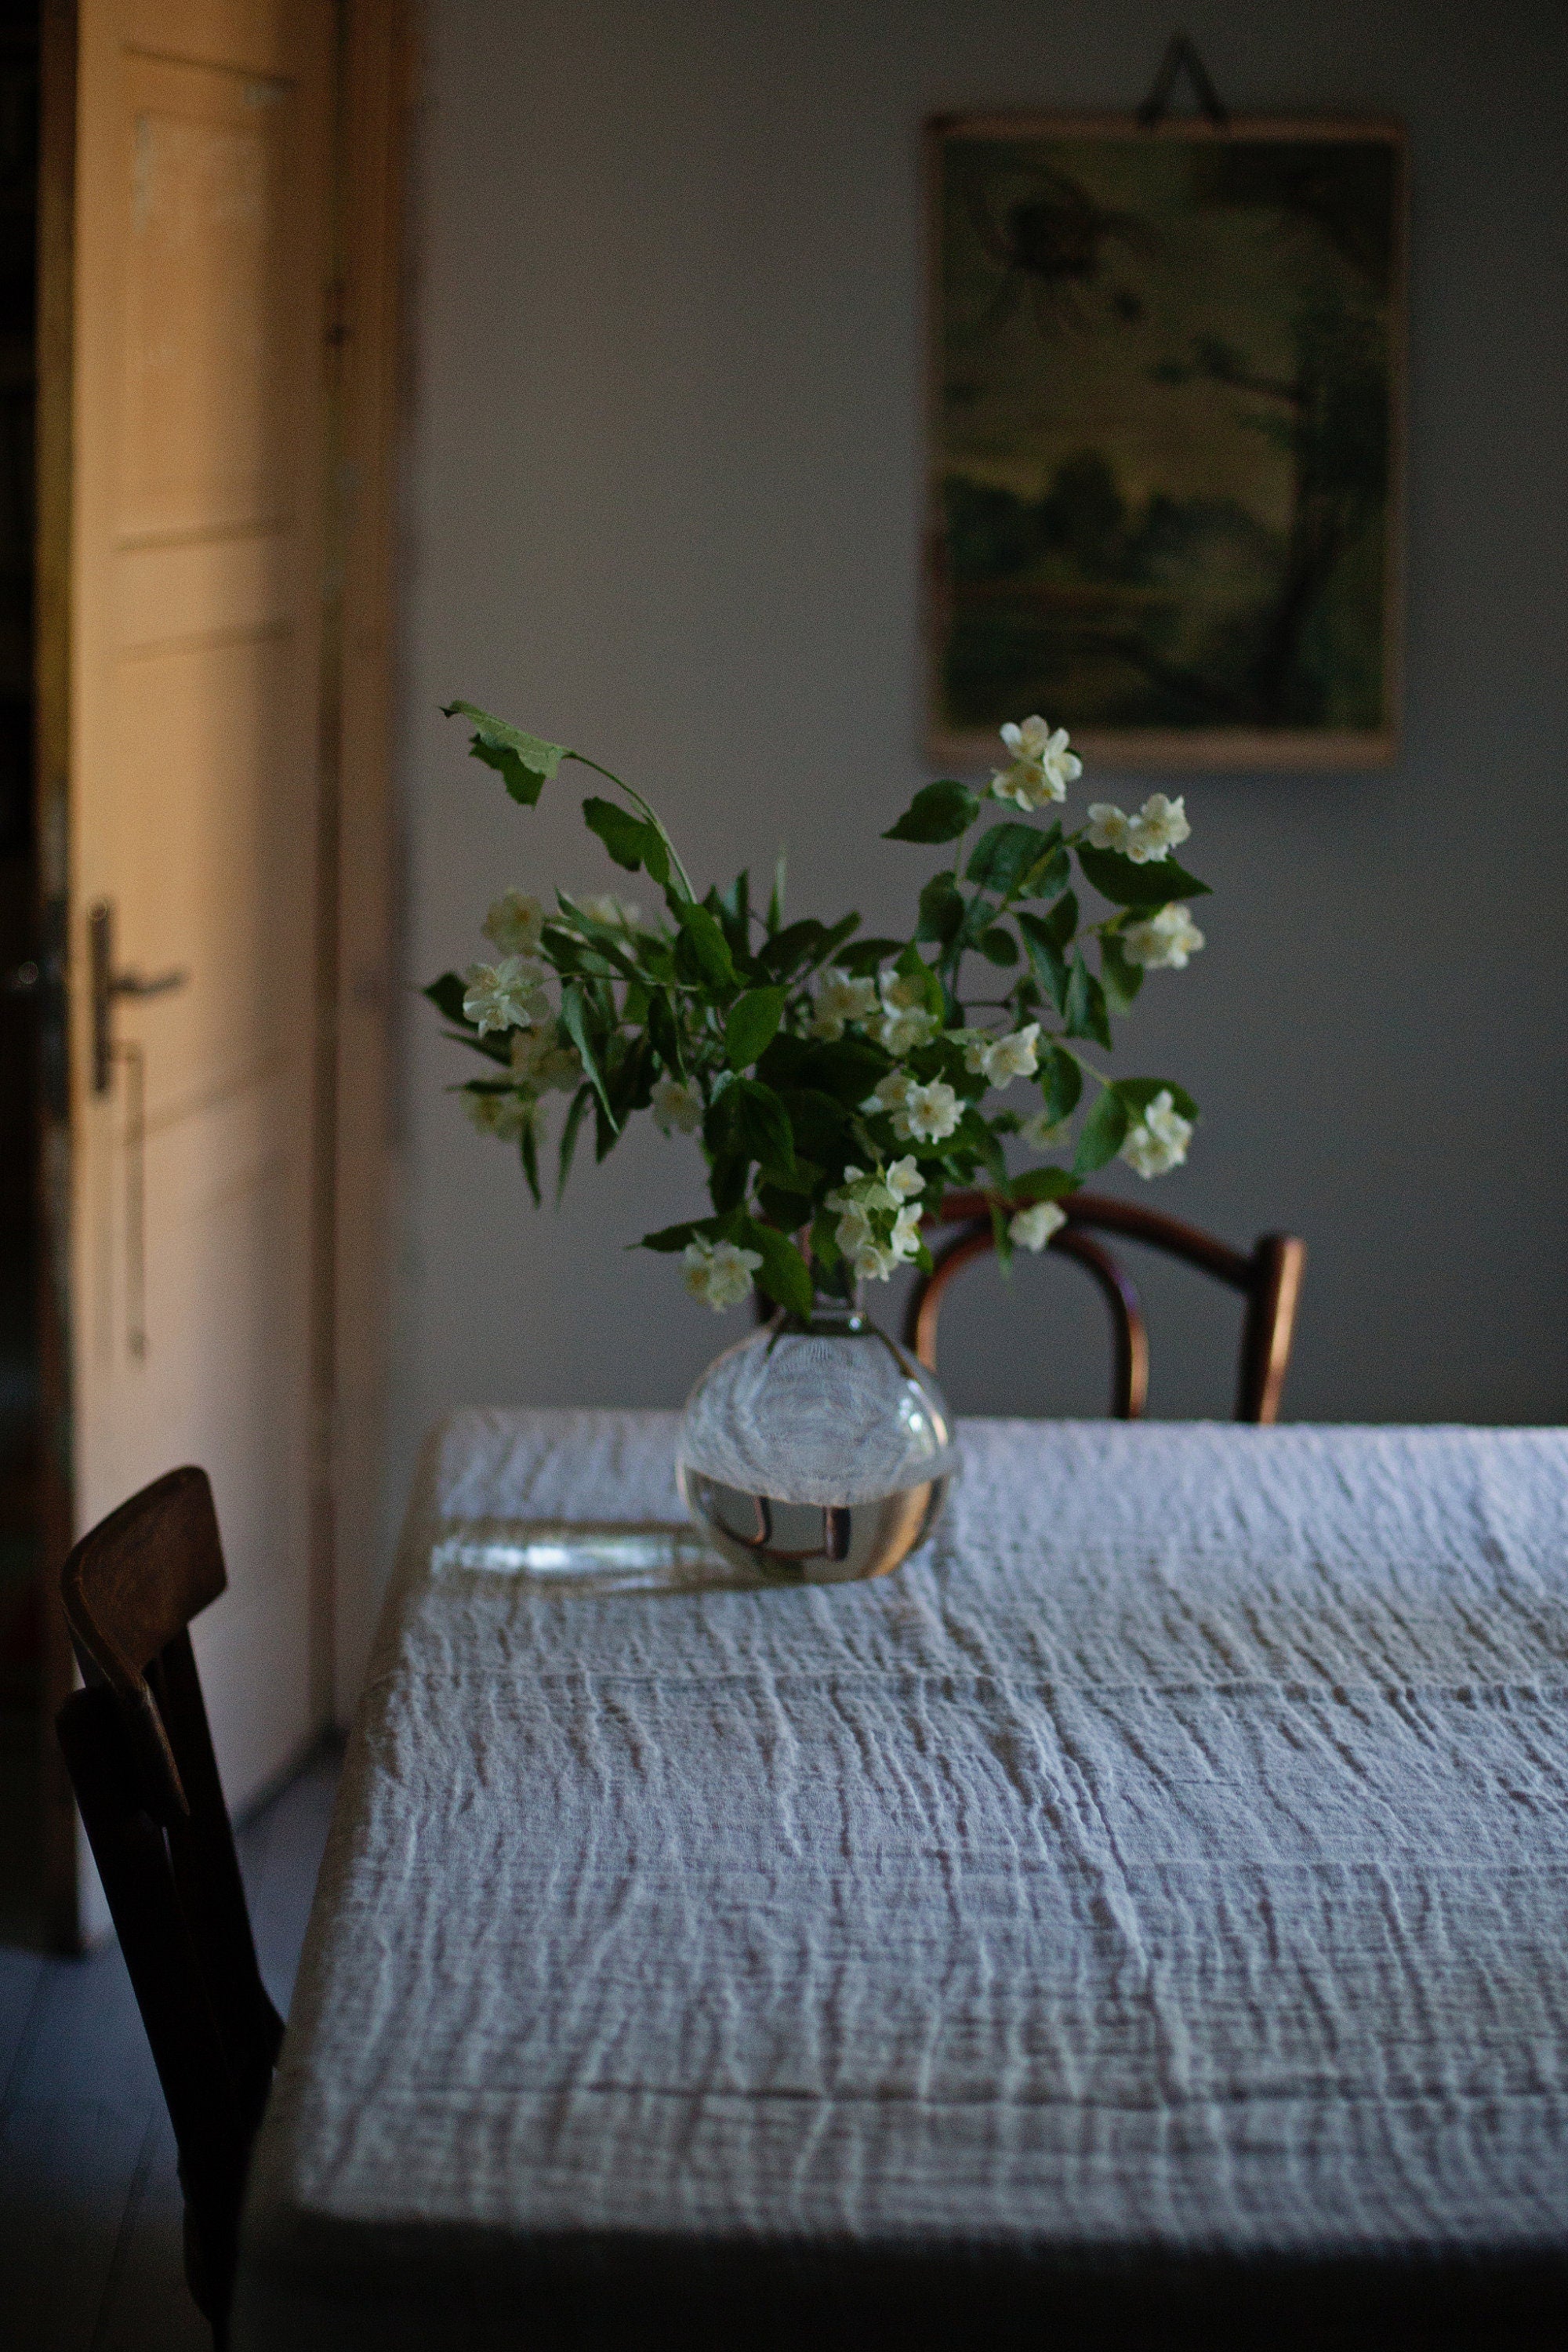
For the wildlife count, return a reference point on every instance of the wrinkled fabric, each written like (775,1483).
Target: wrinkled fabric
(1172,1856)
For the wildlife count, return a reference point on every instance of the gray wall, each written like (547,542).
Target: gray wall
(665,504)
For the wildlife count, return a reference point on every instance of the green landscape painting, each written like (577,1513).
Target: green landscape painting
(1166,402)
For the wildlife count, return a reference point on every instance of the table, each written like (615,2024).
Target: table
(1151,1900)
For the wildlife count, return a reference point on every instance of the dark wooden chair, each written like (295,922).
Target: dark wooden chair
(141,1757)
(1268,1277)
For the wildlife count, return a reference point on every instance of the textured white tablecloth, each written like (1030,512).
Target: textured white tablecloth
(1168,1866)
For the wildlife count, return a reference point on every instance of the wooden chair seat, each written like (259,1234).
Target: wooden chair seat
(1268,1277)
(140,1753)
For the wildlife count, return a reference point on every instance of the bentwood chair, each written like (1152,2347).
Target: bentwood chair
(1268,1277)
(140,1759)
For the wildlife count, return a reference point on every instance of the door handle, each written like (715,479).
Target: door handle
(107,983)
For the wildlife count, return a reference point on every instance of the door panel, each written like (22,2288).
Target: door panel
(202,262)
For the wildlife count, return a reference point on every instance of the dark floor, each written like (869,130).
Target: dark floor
(89,2206)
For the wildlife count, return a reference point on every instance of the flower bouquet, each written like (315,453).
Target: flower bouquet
(837,1083)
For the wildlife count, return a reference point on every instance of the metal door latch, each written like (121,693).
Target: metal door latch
(107,983)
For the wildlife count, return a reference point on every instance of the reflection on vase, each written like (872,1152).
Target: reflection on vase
(818,1449)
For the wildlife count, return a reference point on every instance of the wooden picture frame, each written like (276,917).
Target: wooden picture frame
(1165,438)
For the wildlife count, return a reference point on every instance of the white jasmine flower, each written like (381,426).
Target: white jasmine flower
(514,923)
(620,914)
(840,999)
(900,1033)
(905,1023)
(1159,1142)
(505,995)
(1000,1060)
(890,1094)
(1162,942)
(871,1263)
(853,1231)
(1160,826)
(676,1105)
(928,1114)
(1109,826)
(1042,766)
(544,1058)
(904,1180)
(503,1115)
(1032,1228)
(718,1273)
(846,1192)
(1040,1131)
(905,1238)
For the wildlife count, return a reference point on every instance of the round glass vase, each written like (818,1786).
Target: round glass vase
(817,1450)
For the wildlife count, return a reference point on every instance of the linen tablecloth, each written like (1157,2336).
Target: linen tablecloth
(1156,1891)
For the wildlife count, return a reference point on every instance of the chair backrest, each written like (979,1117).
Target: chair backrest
(1268,1277)
(139,1752)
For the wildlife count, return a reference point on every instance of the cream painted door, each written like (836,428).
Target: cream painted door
(202,260)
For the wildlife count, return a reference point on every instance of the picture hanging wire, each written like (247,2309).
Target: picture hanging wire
(1157,105)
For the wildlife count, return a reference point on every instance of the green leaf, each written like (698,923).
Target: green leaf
(1102,1134)
(1158,884)
(792,947)
(493,1048)
(674,1237)
(1061,1083)
(580,1101)
(783,1273)
(1061,921)
(1004,854)
(575,1021)
(912,965)
(1139,1093)
(1085,1009)
(861,957)
(1044,1184)
(727,1181)
(758,1124)
(938,813)
(1122,978)
(941,909)
(630,840)
(1045,957)
(528,1147)
(836,934)
(664,1030)
(733,908)
(707,953)
(629,1074)
(525,763)
(848,1069)
(998,946)
(776,895)
(1047,877)
(753,1025)
(608,942)
(447,995)
(787,1206)
(819,1123)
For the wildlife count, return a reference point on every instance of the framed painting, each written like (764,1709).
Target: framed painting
(1166,407)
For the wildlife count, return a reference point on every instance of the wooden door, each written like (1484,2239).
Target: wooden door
(202,259)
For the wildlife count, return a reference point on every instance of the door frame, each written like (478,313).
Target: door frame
(364,380)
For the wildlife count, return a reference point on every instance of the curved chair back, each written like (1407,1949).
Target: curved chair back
(140,1753)
(1268,1277)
